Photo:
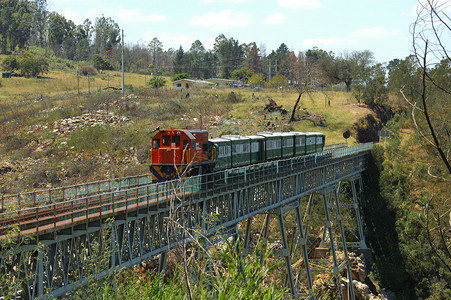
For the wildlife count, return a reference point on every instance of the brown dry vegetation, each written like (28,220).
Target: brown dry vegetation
(37,152)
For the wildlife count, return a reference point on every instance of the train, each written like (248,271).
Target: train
(177,153)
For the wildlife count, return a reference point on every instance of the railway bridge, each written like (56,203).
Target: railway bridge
(311,201)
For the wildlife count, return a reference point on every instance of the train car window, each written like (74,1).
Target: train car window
(185,144)
(156,143)
(205,147)
(176,140)
(246,148)
(255,147)
(166,141)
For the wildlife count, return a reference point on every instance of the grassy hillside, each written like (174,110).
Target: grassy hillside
(51,134)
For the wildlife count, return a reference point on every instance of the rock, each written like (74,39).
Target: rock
(389,295)
(361,290)
(358,268)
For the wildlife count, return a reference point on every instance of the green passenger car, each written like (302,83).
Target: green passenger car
(220,150)
(287,144)
(241,149)
(273,144)
(310,142)
(257,153)
(319,141)
(299,143)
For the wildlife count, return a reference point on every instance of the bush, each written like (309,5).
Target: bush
(101,63)
(10,63)
(180,76)
(27,63)
(157,82)
(87,70)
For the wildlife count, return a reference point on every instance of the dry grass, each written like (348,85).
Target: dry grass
(342,112)
(57,82)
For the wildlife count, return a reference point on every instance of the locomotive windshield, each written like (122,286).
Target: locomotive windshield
(166,140)
(176,141)
(156,143)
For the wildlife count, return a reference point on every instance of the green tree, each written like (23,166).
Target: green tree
(32,65)
(280,61)
(57,32)
(196,57)
(101,63)
(7,8)
(278,81)
(156,51)
(375,90)
(157,82)
(180,76)
(256,79)
(404,75)
(40,16)
(242,74)
(10,63)
(179,63)
(252,59)
(106,34)
(230,54)
(20,27)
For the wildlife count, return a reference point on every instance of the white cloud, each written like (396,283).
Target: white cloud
(222,20)
(227,1)
(331,41)
(299,3)
(72,15)
(275,19)
(169,40)
(372,33)
(135,15)
(352,38)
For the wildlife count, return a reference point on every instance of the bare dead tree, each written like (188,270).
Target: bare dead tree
(430,31)
(430,110)
(307,75)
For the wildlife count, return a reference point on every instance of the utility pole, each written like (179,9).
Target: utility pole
(269,70)
(123,45)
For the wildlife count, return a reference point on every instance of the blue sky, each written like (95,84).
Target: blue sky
(381,26)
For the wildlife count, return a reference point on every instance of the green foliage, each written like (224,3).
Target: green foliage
(101,63)
(237,277)
(10,63)
(157,82)
(278,81)
(180,76)
(13,277)
(91,139)
(402,213)
(256,79)
(87,70)
(242,74)
(27,63)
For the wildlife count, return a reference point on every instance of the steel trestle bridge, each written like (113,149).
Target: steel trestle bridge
(66,226)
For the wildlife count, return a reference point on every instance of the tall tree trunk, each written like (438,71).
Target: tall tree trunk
(292,118)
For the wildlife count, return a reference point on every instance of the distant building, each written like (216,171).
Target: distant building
(191,84)
(220,82)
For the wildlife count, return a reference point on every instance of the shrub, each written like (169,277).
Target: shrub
(27,63)
(87,70)
(180,76)
(157,82)
(101,63)
(10,63)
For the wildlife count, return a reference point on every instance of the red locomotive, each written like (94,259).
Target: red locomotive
(179,152)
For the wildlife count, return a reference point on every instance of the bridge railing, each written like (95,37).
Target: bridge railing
(61,194)
(100,200)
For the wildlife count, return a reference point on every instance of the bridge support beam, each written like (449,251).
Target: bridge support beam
(330,199)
